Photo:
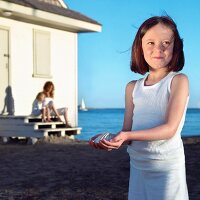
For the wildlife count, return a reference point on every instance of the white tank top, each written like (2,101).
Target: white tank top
(150,106)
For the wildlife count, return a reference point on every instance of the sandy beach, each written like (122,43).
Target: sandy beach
(72,170)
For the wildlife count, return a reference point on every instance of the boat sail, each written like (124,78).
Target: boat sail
(82,106)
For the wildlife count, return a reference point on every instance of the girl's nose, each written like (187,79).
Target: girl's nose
(159,47)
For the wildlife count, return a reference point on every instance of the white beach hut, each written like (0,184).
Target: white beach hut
(39,43)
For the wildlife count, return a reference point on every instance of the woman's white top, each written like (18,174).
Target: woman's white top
(48,101)
(150,106)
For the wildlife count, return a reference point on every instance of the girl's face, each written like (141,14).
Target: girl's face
(41,97)
(157,46)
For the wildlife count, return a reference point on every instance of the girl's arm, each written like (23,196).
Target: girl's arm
(128,115)
(177,101)
(129,106)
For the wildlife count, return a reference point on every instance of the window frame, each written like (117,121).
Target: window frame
(36,65)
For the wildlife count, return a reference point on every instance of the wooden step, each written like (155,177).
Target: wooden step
(61,131)
(16,127)
(22,133)
(39,125)
(44,132)
(11,120)
(33,127)
(31,118)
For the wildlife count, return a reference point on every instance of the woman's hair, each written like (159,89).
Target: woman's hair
(138,63)
(48,89)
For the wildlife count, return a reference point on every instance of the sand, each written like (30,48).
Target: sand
(72,170)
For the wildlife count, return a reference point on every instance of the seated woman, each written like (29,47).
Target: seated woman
(48,90)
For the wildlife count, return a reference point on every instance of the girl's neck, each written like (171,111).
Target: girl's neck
(155,76)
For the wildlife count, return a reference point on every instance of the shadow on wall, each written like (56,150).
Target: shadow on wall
(9,106)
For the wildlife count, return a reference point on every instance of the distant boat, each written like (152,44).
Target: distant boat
(82,106)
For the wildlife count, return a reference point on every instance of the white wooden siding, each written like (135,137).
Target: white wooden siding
(63,60)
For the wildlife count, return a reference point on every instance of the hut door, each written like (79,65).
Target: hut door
(4,69)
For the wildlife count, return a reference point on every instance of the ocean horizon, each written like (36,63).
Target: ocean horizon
(99,120)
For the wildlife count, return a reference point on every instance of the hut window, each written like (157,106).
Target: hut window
(41,54)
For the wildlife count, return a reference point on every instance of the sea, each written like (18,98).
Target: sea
(96,121)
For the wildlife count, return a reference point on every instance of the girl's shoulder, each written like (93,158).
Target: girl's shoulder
(179,82)
(132,83)
(130,86)
(180,75)
(180,78)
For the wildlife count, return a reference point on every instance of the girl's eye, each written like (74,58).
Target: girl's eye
(150,43)
(166,43)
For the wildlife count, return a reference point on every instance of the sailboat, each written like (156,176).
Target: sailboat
(82,106)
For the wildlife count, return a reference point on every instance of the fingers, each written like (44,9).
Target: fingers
(105,144)
(99,145)
(95,145)
(109,145)
(116,139)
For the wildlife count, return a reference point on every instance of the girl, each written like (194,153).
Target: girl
(155,108)
(48,90)
(38,108)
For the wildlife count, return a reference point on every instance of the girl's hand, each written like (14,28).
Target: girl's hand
(114,143)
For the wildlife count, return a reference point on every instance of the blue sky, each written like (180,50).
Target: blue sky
(104,58)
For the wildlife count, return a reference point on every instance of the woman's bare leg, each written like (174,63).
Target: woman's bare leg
(58,115)
(55,111)
(66,118)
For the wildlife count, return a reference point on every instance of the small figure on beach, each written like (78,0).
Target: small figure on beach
(48,90)
(39,109)
(155,109)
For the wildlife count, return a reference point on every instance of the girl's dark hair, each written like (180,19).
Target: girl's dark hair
(138,63)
